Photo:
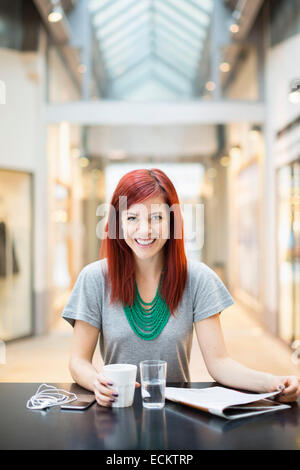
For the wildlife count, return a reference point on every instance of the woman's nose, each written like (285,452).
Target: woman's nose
(144,229)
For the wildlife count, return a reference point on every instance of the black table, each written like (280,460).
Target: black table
(175,427)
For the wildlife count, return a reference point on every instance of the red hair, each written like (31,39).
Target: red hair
(137,186)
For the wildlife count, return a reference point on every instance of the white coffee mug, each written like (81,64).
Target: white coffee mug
(123,377)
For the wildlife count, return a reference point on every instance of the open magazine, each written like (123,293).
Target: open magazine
(225,402)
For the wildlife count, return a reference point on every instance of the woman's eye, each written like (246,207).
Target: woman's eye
(159,217)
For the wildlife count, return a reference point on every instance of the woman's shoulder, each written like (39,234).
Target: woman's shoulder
(200,273)
(198,268)
(96,269)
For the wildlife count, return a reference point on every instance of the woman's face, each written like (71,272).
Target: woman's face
(146,227)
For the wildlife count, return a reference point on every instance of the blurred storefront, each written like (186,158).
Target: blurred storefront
(246,216)
(16,254)
(288,177)
(284,119)
(64,209)
(77,187)
(288,231)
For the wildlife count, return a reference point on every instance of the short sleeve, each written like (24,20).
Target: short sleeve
(84,301)
(210,296)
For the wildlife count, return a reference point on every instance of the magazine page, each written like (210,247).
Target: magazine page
(225,402)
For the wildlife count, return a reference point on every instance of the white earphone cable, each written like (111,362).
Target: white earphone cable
(48,395)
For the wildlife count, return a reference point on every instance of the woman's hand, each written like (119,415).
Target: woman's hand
(104,394)
(289,386)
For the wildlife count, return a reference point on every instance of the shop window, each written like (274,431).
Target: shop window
(288,179)
(15,255)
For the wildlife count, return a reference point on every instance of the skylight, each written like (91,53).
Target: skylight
(162,39)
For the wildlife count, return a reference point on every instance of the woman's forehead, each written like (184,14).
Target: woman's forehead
(151,205)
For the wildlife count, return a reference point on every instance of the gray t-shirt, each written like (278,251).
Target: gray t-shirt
(204,295)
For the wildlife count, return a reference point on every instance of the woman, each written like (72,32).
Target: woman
(143,270)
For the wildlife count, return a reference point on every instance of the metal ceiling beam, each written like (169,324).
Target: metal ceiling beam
(172,46)
(113,113)
(181,12)
(166,83)
(141,72)
(61,30)
(247,11)
(178,25)
(178,61)
(60,34)
(113,17)
(123,48)
(117,44)
(103,7)
(172,39)
(198,7)
(68,5)
(131,67)
(172,66)
(133,19)
(164,70)
(171,33)
(161,20)
(122,61)
(134,84)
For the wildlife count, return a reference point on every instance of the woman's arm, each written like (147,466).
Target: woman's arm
(84,342)
(233,374)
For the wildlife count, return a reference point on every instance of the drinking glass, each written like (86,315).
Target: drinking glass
(153,383)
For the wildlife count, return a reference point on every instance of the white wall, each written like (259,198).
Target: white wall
(22,137)
(161,141)
(18,117)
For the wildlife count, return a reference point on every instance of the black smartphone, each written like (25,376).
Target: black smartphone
(77,405)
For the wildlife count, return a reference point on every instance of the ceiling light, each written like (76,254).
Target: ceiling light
(210,86)
(225,67)
(225,160)
(84,162)
(96,172)
(235,151)
(82,68)
(255,131)
(75,152)
(56,13)
(294,94)
(211,172)
(234,28)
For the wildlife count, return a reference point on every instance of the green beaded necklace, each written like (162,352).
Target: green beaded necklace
(147,323)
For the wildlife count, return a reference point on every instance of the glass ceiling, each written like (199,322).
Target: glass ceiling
(151,40)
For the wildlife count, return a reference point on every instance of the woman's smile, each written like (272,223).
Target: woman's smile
(144,243)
